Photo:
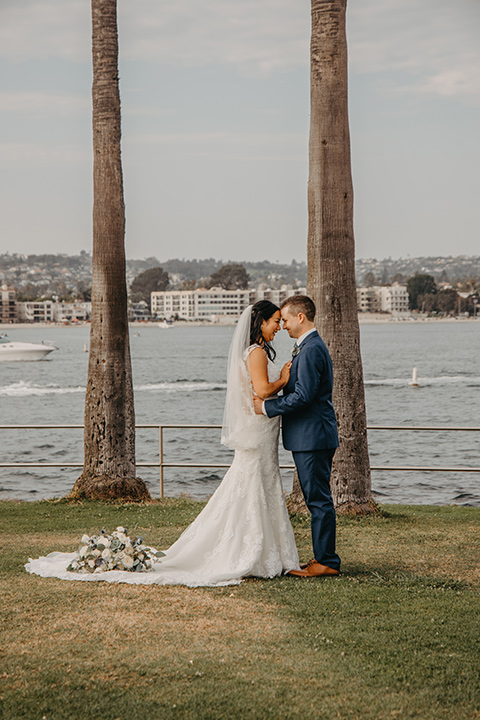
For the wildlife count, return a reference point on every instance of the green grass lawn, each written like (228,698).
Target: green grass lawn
(395,636)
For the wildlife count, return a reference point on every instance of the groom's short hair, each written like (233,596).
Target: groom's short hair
(300,304)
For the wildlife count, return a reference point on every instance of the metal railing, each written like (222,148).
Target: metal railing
(161,464)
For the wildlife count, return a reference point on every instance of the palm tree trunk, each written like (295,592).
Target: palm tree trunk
(109,438)
(331,250)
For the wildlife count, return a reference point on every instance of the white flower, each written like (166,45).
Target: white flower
(127,561)
(117,552)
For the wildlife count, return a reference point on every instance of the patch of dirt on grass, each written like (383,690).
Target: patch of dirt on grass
(53,628)
(66,620)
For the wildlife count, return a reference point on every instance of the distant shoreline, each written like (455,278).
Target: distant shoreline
(363,319)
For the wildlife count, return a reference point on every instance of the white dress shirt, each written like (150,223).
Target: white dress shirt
(299,340)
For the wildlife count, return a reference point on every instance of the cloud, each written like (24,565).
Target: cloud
(226,144)
(456,81)
(36,29)
(433,45)
(430,47)
(31,155)
(37,104)
(256,36)
(219,138)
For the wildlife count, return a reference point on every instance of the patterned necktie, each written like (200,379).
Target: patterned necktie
(295,351)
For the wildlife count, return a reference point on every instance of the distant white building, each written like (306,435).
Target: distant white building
(394,299)
(368,299)
(8,305)
(277,296)
(139,312)
(391,299)
(214,304)
(41,311)
(49,311)
(199,304)
(66,311)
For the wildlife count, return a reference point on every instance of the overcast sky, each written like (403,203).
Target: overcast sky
(215,114)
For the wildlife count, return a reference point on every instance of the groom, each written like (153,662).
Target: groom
(309,428)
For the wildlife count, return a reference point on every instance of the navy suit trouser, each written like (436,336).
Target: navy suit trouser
(314,468)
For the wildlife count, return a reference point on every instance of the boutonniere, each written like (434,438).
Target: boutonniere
(295,351)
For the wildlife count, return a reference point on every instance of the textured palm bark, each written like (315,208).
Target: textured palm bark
(331,250)
(109,437)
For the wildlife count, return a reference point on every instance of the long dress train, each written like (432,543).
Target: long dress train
(243,531)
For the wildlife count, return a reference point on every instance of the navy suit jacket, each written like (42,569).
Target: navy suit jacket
(308,421)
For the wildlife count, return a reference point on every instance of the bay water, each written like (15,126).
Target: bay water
(180,378)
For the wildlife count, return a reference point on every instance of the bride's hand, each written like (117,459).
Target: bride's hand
(285,374)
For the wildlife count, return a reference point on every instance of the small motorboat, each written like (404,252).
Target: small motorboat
(22,351)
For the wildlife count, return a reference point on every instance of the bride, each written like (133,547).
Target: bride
(244,530)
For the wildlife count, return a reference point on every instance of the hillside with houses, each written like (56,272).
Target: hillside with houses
(56,288)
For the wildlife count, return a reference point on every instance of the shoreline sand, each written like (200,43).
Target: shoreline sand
(363,319)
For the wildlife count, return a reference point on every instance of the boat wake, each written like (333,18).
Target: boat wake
(26,389)
(182,385)
(442,380)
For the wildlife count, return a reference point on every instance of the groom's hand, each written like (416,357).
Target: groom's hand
(257,405)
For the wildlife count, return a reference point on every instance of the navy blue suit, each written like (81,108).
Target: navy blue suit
(309,430)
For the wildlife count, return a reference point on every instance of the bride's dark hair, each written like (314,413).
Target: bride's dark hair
(262,310)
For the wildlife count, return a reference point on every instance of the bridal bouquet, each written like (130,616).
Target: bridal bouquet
(117,551)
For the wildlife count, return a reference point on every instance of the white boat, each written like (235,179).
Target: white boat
(165,324)
(22,351)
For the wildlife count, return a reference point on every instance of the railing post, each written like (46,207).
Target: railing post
(160,457)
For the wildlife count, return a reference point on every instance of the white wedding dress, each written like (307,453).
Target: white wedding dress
(243,531)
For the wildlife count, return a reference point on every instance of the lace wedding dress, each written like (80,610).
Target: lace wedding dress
(243,531)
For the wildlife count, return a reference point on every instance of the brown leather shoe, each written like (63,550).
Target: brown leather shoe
(307,564)
(315,569)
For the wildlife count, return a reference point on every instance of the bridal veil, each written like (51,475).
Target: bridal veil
(239,419)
